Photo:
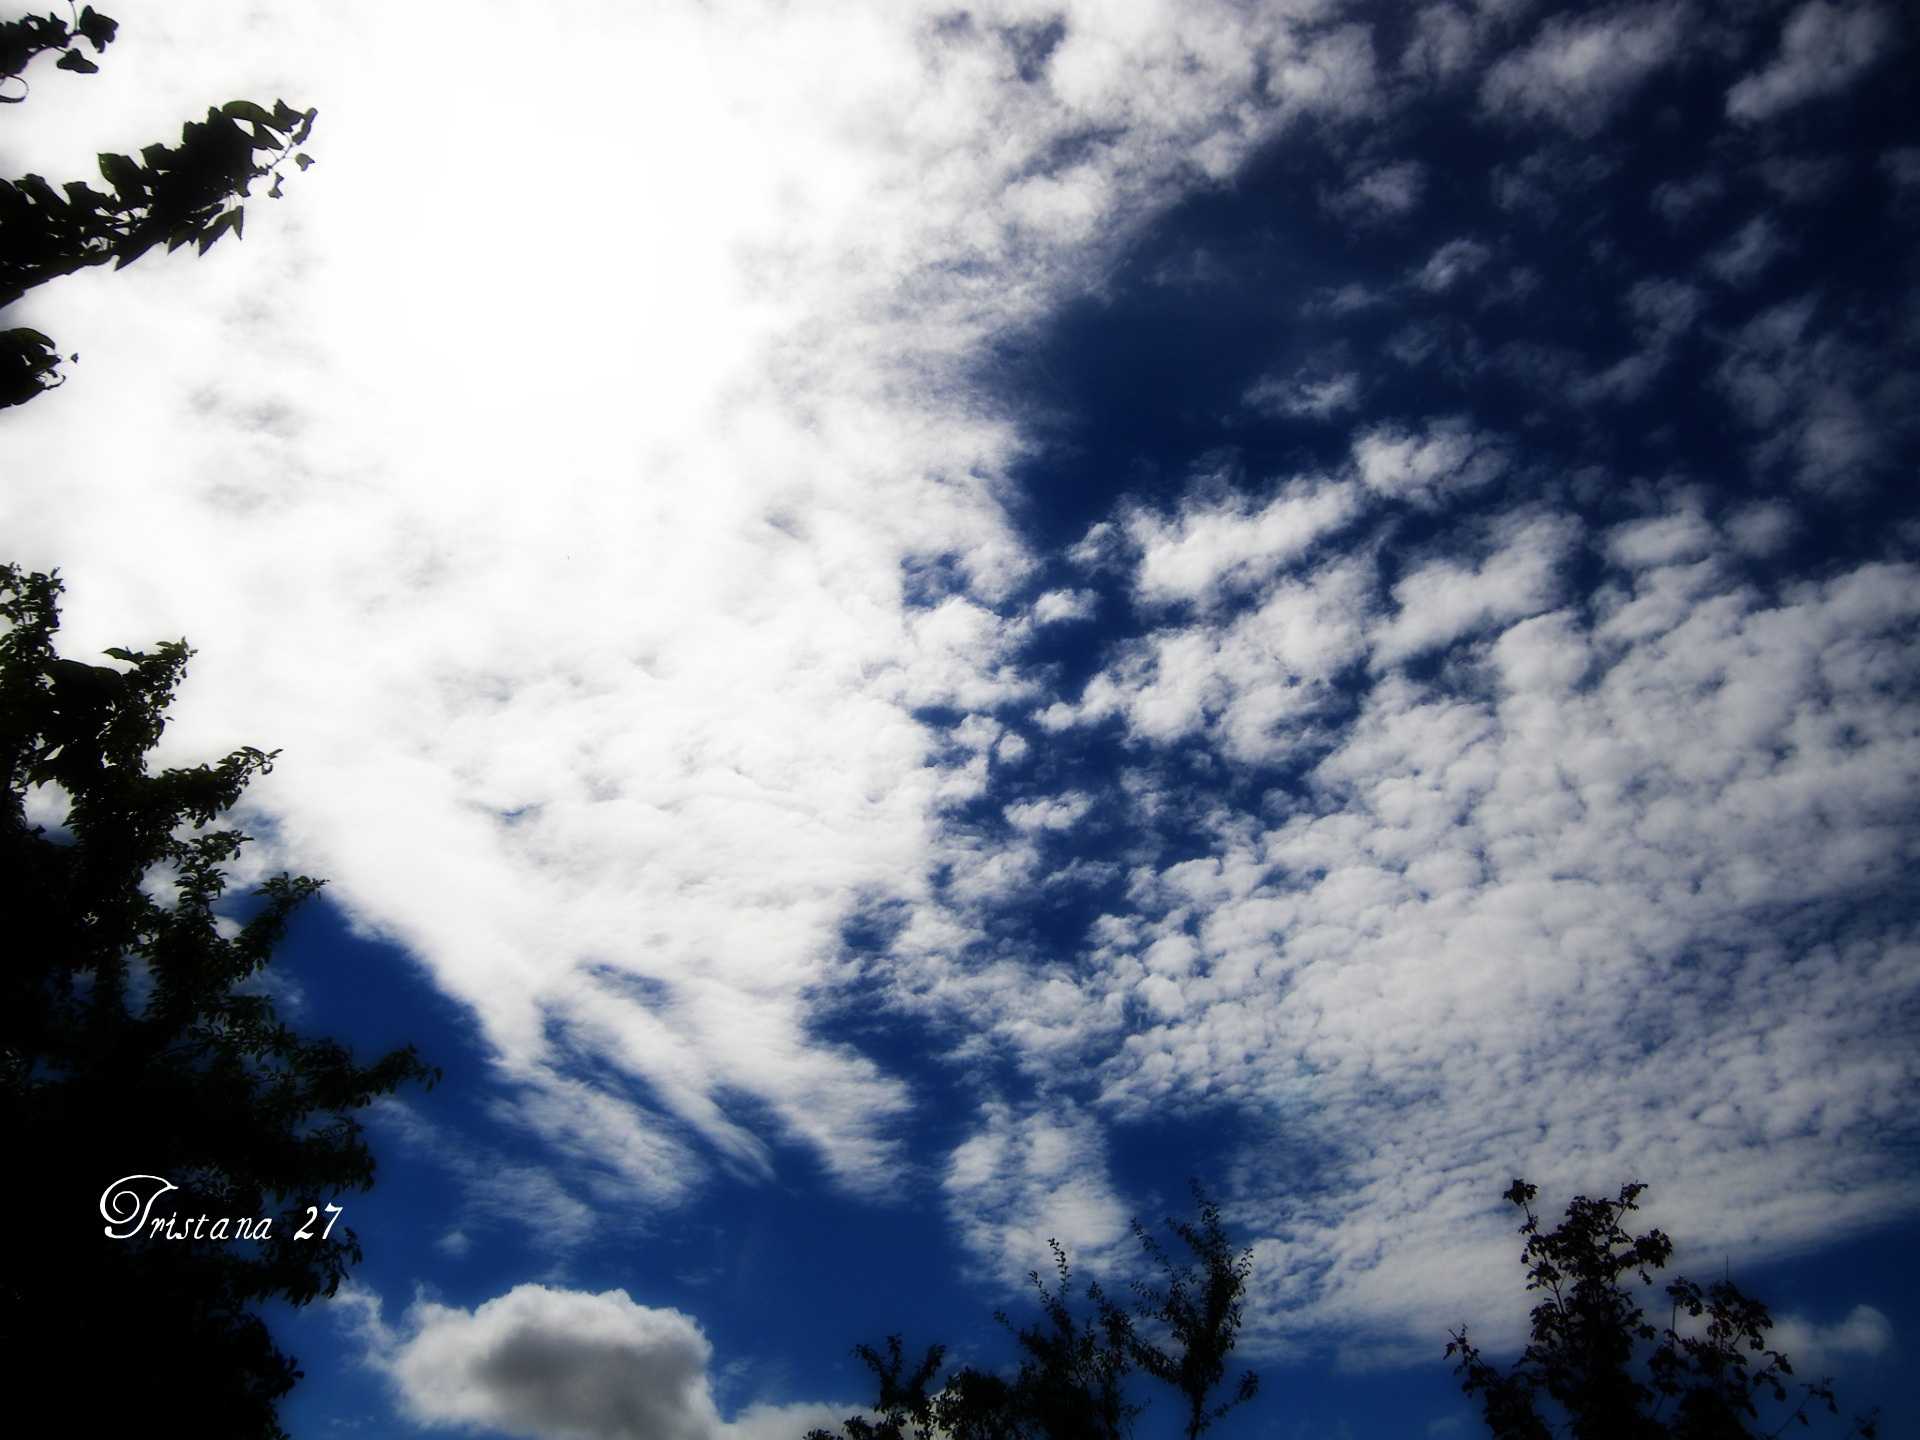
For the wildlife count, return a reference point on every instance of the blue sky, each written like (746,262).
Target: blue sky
(897,628)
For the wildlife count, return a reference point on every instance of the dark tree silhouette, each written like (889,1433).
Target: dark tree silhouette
(1072,1375)
(186,194)
(1598,1369)
(139,1043)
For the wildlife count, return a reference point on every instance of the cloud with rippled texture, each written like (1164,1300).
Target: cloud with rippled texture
(622,656)
(633,623)
(1582,903)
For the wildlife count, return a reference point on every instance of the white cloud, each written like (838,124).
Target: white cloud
(1446,599)
(1577,72)
(1308,395)
(556,1364)
(1603,898)
(1025,1178)
(1825,412)
(1816,1349)
(1447,458)
(1443,43)
(1343,300)
(1663,312)
(1747,253)
(1057,606)
(1061,814)
(549,506)
(597,589)
(1822,50)
(1902,167)
(1669,540)
(1452,262)
(1208,547)
(1377,193)
(1680,200)
(1255,685)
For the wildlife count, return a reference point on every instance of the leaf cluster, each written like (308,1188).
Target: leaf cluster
(21,40)
(135,1038)
(188,194)
(1071,1380)
(1597,1368)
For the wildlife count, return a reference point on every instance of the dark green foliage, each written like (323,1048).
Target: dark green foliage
(1598,1369)
(137,1041)
(1200,1310)
(173,196)
(1071,1381)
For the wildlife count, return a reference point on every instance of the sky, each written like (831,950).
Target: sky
(898,628)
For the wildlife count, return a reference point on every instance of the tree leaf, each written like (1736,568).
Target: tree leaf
(97,28)
(202,1078)
(123,175)
(73,60)
(247,110)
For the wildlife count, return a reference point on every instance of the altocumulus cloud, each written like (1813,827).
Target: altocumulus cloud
(596,642)
(1467,791)
(1554,907)
(556,1364)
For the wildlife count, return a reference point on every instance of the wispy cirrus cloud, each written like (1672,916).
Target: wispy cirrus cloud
(1822,48)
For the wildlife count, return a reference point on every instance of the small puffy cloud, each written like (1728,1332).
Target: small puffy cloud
(1663,308)
(1333,73)
(1305,396)
(1452,262)
(1762,529)
(1211,547)
(1680,200)
(1822,50)
(1577,71)
(556,1364)
(1032,1175)
(1443,42)
(1814,1348)
(1380,192)
(1446,599)
(543,1362)
(1258,684)
(1902,167)
(1447,457)
(1824,410)
(1061,814)
(1662,311)
(1058,606)
(1802,178)
(1741,260)
(1668,540)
